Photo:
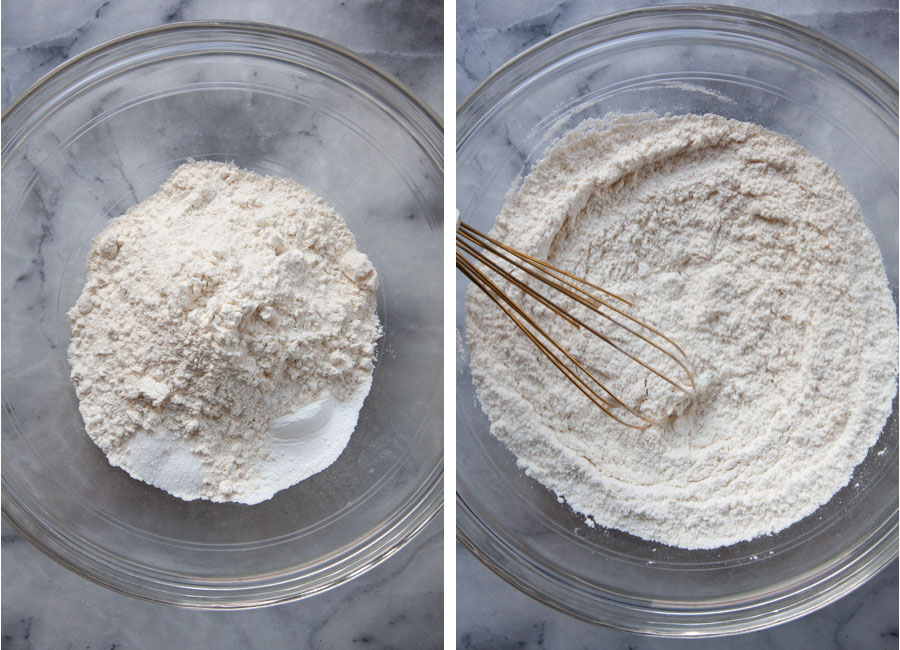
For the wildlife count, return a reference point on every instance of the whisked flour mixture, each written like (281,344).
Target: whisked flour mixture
(223,343)
(753,256)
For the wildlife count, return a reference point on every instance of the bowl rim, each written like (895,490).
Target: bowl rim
(220,25)
(659,619)
(423,505)
(795,30)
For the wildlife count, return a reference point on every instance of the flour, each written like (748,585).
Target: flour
(219,304)
(753,256)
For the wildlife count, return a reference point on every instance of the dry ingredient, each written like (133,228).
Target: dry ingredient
(220,304)
(753,256)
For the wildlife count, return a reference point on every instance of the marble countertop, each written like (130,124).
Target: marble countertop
(397,604)
(489,34)
(403,37)
(493,614)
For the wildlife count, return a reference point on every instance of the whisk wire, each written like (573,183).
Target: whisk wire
(486,285)
(592,306)
(477,234)
(480,238)
(495,291)
(573,287)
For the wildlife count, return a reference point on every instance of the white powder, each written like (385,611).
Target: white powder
(753,256)
(219,304)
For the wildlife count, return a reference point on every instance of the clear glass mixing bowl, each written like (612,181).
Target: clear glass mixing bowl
(742,65)
(101,133)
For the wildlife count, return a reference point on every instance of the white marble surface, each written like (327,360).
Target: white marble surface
(493,614)
(404,37)
(397,604)
(488,34)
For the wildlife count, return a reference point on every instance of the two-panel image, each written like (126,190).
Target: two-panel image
(424,325)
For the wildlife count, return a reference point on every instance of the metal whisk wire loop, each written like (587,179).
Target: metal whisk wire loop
(484,260)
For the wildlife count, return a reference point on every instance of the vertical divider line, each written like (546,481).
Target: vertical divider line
(449,324)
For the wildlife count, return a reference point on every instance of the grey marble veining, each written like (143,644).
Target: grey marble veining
(493,614)
(405,37)
(397,604)
(490,612)
(488,34)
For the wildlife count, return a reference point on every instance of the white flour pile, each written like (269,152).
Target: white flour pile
(754,257)
(221,303)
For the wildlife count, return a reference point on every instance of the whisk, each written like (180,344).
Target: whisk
(484,259)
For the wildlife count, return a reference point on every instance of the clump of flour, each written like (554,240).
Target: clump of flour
(754,257)
(219,304)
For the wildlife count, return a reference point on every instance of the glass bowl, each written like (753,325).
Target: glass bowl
(101,133)
(676,60)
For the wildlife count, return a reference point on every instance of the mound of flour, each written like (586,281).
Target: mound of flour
(754,257)
(220,304)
